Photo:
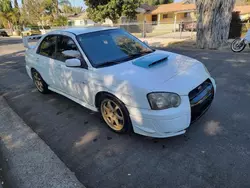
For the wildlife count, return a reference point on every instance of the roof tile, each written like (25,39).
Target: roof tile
(176,7)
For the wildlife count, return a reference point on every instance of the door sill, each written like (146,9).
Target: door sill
(74,99)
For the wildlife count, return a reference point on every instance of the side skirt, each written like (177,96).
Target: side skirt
(74,99)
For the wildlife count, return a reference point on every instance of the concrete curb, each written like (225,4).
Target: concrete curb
(28,161)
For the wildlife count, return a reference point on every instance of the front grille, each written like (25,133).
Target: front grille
(200,99)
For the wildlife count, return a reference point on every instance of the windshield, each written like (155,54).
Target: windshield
(111,47)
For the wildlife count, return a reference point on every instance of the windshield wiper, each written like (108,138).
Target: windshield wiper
(131,56)
(141,53)
(106,64)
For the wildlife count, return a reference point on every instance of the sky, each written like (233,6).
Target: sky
(78,3)
(73,2)
(82,4)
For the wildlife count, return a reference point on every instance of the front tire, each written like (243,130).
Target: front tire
(40,84)
(115,114)
(238,45)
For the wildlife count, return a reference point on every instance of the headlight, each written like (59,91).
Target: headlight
(159,101)
(206,69)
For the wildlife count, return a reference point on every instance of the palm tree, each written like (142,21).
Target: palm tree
(56,6)
(8,16)
(5,5)
(9,19)
(15,4)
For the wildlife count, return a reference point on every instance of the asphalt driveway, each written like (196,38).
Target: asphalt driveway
(215,151)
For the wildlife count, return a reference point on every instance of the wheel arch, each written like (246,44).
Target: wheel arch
(32,69)
(101,94)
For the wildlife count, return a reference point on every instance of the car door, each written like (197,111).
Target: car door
(45,59)
(73,80)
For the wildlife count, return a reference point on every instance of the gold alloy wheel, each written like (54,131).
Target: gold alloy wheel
(112,114)
(38,81)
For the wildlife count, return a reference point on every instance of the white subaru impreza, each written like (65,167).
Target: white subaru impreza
(151,92)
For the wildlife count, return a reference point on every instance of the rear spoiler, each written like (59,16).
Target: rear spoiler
(26,40)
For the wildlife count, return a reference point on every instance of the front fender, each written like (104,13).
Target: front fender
(130,96)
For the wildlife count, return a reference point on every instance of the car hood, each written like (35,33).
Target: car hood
(164,66)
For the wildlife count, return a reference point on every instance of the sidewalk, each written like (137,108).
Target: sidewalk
(27,161)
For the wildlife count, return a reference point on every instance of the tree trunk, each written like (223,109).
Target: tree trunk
(213,24)
(57,8)
(15,4)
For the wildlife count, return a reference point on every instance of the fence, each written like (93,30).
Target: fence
(179,30)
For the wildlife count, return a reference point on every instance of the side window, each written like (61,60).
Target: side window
(48,46)
(65,43)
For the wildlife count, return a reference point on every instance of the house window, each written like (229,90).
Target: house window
(165,16)
(187,15)
(169,15)
(82,22)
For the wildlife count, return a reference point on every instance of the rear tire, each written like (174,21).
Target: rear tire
(238,45)
(40,84)
(115,114)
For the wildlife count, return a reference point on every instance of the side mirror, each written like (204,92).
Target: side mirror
(145,42)
(71,53)
(73,62)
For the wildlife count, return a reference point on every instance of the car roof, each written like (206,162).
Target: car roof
(83,30)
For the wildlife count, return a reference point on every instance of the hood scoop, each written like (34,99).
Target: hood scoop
(150,60)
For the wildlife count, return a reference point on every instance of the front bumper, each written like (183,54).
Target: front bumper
(164,123)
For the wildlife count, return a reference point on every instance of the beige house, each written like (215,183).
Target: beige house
(169,13)
(244,12)
(166,17)
(174,13)
(79,20)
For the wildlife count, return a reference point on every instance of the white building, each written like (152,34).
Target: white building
(80,20)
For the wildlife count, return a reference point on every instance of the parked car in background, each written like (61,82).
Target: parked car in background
(135,88)
(45,29)
(29,31)
(3,33)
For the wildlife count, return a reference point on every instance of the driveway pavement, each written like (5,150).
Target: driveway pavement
(214,152)
(177,35)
